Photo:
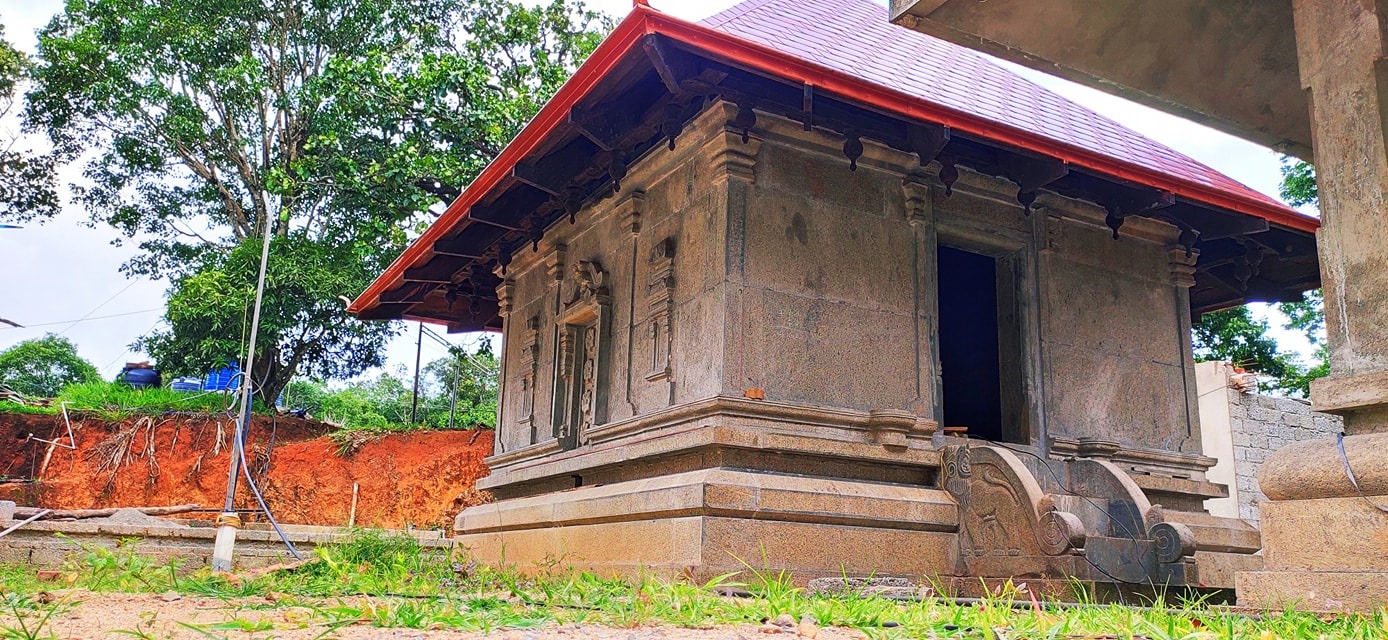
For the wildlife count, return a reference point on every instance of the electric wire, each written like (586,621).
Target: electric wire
(264,508)
(84,319)
(250,482)
(98,307)
(116,359)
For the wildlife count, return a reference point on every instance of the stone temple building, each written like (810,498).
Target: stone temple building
(799,289)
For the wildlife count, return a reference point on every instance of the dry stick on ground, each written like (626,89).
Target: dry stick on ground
(79,514)
(53,444)
(247,576)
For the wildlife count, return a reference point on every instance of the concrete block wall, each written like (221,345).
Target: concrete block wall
(1241,428)
(50,544)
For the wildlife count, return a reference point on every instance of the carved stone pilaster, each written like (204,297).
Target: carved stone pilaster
(530,365)
(554,264)
(732,159)
(660,292)
(920,209)
(1183,265)
(629,211)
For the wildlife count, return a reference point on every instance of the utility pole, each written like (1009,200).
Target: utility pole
(228,522)
(418,346)
(453,392)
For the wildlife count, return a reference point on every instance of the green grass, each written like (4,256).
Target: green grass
(7,406)
(114,401)
(394,582)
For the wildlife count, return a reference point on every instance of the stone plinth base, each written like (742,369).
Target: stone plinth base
(1320,554)
(1313,590)
(707,523)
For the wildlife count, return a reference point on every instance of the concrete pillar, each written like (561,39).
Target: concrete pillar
(1322,535)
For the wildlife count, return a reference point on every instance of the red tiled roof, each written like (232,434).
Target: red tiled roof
(855,37)
(849,49)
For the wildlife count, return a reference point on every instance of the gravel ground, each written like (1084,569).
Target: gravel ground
(88,615)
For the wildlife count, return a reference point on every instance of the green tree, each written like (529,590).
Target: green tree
(475,376)
(1298,186)
(43,366)
(27,179)
(1235,336)
(211,123)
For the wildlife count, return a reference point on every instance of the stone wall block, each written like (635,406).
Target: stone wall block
(1262,425)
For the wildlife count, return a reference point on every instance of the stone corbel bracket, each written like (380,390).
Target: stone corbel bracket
(1003,510)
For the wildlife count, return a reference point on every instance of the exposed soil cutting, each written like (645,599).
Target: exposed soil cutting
(420,479)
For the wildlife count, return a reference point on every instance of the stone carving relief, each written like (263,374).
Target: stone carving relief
(581,349)
(589,285)
(530,361)
(1003,511)
(660,293)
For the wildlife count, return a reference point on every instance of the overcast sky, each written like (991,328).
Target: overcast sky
(55,273)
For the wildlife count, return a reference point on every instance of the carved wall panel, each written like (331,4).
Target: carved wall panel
(529,357)
(660,293)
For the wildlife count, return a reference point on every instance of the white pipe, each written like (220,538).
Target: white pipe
(20,524)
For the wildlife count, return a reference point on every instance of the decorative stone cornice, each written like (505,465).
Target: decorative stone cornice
(505,297)
(731,158)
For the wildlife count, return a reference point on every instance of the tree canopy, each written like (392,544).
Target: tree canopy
(210,123)
(41,367)
(28,184)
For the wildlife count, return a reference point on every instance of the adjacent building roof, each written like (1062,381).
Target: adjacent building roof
(847,51)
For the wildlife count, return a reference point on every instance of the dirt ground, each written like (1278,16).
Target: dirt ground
(92,615)
(421,479)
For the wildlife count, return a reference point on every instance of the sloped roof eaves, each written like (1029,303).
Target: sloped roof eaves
(555,112)
(643,21)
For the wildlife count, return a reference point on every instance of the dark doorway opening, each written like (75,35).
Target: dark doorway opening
(980,364)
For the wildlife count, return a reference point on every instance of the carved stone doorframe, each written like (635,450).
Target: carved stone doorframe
(581,372)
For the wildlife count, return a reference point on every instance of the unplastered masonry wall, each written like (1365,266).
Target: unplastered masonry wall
(1241,428)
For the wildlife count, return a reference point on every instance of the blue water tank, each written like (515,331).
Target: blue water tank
(186,384)
(140,376)
(224,379)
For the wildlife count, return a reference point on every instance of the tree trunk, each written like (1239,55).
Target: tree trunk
(271,376)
